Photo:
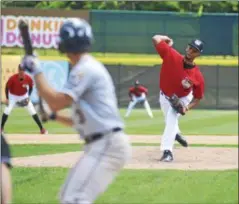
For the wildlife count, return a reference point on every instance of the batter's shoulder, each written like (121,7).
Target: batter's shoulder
(91,64)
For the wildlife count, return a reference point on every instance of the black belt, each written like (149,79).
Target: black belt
(163,94)
(97,136)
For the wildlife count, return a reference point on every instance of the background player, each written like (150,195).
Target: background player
(138,94)
(6,183)
(91,93)
(181,76)
(18,90)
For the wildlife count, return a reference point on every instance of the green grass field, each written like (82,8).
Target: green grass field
(42,185)
(24,150)
(127,58)
(197,122)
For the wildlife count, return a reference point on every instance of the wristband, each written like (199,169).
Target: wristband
(52,116)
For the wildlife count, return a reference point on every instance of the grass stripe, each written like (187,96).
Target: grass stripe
(22,150)
(134,186)
(196,122)
(191,145)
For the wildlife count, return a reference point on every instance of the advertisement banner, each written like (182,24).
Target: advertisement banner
(43,31)
(56,73)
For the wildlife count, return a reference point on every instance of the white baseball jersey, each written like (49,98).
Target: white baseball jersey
(95,108)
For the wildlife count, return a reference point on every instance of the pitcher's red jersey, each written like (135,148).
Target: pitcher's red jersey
(173,74)
(138,91)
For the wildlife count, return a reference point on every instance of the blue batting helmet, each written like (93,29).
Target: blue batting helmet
(75,36)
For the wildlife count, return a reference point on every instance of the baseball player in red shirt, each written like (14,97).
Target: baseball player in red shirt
(138,94)
(18,89)
(179,76)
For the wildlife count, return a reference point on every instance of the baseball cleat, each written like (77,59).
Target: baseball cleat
(181,140)
(167,156)
(44,131)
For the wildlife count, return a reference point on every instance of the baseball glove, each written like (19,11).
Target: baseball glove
(177,104)
(23,102)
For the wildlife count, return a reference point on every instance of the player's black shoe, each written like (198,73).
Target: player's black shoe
(181,140)
(167,156)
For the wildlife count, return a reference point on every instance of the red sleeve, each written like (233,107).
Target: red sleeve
(163,49)
(198,90)
(144,90)
(131,90)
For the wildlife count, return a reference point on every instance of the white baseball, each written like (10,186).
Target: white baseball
(170,43)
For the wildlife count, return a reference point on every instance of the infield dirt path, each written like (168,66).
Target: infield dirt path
(73,138)
(144,157)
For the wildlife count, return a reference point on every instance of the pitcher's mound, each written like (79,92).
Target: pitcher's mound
(194,158)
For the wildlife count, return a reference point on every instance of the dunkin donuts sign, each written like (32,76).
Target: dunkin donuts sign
(43,31)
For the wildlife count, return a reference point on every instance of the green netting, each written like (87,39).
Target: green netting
(221,85)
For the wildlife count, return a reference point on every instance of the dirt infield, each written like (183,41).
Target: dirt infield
(148,158)
(74,138)
(144,157)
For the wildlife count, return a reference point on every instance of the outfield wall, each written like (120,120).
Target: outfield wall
(132,31)
(221,84)
(56,73)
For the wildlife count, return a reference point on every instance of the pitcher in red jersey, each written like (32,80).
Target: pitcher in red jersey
(19,87)
(181,76)
(138,94)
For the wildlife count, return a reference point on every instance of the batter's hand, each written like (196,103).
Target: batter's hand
(45,117)
(31,64)
(45,112)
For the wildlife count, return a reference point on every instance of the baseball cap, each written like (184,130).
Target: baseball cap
(198,44)
(136,82)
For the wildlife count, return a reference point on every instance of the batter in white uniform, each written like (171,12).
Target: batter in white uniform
(91,93)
